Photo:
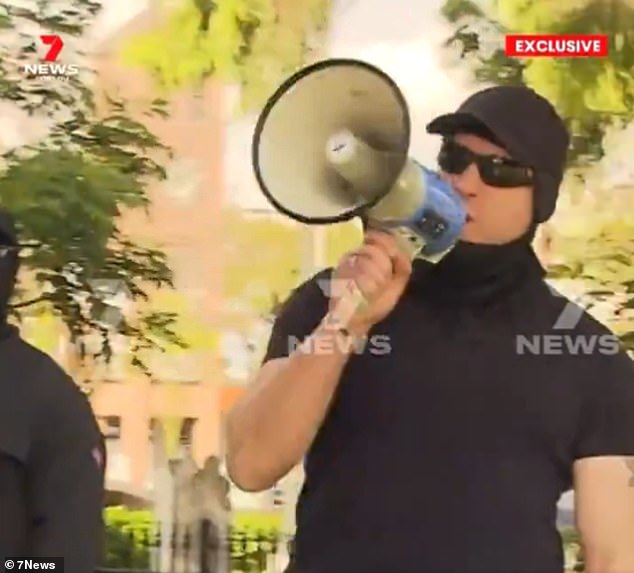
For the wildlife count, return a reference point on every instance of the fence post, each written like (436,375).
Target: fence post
(205,565)
(214,548)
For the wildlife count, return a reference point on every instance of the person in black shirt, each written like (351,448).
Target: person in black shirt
(449,451)
(52,454)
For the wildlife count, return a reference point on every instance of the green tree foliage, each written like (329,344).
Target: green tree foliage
(591,93)
(603,261)
(253,43)
(68,188)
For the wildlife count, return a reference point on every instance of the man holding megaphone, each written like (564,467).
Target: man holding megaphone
(449,452)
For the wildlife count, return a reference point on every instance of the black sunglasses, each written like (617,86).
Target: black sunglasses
(494,170)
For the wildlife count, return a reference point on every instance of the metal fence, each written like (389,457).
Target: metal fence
(202,548)
(198,548)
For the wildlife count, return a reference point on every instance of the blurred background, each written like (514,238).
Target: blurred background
(157,266)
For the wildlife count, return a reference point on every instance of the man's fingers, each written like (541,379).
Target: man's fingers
(401,263)
(370,270)
(376,257)
(383,240)
(362,268)
(376,263)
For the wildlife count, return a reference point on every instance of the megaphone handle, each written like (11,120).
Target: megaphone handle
(353,299)
(346,307)
(411,243)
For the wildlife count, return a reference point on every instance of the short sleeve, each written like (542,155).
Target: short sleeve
(607,424)
(298,316)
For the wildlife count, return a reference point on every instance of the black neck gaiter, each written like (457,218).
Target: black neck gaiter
(476,274)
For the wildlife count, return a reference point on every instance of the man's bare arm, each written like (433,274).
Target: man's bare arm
(272,426)
(604,507)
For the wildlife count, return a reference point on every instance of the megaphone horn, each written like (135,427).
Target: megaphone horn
(332,143)
(318,109)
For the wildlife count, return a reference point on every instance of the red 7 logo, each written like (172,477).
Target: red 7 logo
(56,44)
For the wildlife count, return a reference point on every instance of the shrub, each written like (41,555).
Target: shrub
(129,535)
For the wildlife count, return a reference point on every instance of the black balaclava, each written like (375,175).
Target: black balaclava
(531,130)
(474,273)
(9,264)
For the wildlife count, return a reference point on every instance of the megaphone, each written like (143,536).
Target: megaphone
(332,143)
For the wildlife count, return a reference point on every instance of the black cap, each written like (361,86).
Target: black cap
(8,235)
(526,125)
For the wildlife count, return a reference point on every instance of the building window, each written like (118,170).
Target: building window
(111,427)
(241,352)
(118,466)
(186,437)
(183,181)
(277,495)
(236,355)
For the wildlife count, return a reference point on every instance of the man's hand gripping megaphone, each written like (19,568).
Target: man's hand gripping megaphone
(368,282)
(421,216)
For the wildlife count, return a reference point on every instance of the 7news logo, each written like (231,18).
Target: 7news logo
(50,68)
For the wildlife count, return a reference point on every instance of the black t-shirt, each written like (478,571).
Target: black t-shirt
(447,450)
(52,461)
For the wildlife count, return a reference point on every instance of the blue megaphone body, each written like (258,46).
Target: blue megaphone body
(420,208)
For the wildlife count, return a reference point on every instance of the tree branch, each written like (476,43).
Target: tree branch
(33,301)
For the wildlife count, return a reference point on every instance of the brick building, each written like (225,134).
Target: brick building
(188,393)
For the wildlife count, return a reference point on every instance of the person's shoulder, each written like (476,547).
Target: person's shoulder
(60,406)
(316,283)
(39,400)
(35,369)
(572,314)
(298,314)
(571,317)
(41,382)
